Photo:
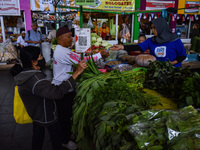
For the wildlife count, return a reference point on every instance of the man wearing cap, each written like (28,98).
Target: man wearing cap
(62,63)
(20,40)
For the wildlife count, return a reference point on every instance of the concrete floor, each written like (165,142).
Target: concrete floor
(14,136)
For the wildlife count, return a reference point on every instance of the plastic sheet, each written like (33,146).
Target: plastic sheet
(166,129)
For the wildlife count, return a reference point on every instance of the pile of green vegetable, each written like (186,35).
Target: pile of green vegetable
(111,111)
(180,84)
(166,129)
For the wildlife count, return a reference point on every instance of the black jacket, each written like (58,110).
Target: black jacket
(38,95)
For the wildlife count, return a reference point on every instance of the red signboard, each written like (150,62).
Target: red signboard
(193,7)
(155,4)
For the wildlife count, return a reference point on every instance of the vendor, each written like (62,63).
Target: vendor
(20,40)
(104,31)
(164,45)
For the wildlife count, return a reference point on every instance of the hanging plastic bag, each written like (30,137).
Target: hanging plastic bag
(90,24)
(20,114)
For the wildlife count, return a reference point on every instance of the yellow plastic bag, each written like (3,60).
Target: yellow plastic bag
(20,114)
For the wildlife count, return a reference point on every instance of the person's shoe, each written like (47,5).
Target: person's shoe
(70,145)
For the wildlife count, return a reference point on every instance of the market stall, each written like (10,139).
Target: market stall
(150,107)
(117,110)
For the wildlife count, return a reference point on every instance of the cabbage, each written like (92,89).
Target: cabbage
(94,35)
(97,44)
(105,43)
(108,46)
(94,39)
(99,39)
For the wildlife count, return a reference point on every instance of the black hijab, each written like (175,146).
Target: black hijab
(164,31)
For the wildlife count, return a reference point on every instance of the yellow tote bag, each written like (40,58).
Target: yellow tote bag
(20,114)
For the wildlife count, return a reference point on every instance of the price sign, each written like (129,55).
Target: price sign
(83,40)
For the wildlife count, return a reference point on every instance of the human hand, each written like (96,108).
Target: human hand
(81,67)
(104,54)
(117,47)
(40,41)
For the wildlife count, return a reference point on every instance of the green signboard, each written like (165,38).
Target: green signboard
(85,2)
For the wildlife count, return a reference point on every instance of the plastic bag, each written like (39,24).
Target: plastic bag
(167,129)
(90,24)
(9,47)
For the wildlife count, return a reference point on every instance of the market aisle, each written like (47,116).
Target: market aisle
(13,136)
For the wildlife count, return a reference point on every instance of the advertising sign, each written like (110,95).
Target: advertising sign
(195,6)
(9,8)
(83,40)
(159,5)
(85,2)
(113,5)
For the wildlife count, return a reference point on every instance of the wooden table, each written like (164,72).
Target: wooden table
(191,64)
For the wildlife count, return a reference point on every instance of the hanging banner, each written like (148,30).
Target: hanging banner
(47,5)
(113,5)
(83,40)
(9,8)
(187,3)
(159,5)
(195,6)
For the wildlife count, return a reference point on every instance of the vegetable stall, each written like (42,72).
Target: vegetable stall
(149,108)
(152,108)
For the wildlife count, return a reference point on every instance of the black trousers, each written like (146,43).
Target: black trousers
(39,133)
(64,108)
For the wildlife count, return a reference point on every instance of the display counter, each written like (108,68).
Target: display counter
(191,64)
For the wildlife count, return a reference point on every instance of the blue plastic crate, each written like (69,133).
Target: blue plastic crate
(192,57)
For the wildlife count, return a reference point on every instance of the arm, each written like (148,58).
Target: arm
(74,57)
(128,48)
(27,39)
(108,31)
(18,42)
(44,88)
(41,38)
(100,31)
(180,52)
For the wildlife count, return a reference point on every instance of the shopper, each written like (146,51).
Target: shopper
(141,38)
(164,45)
(34,37)
(104,31)
(62,64)
(125,34)
(52,34)
(20,41)
(38,96)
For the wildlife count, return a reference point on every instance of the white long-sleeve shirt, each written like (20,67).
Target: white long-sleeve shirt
(62,64)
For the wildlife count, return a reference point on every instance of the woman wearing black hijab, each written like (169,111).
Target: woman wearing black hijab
(164,45)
